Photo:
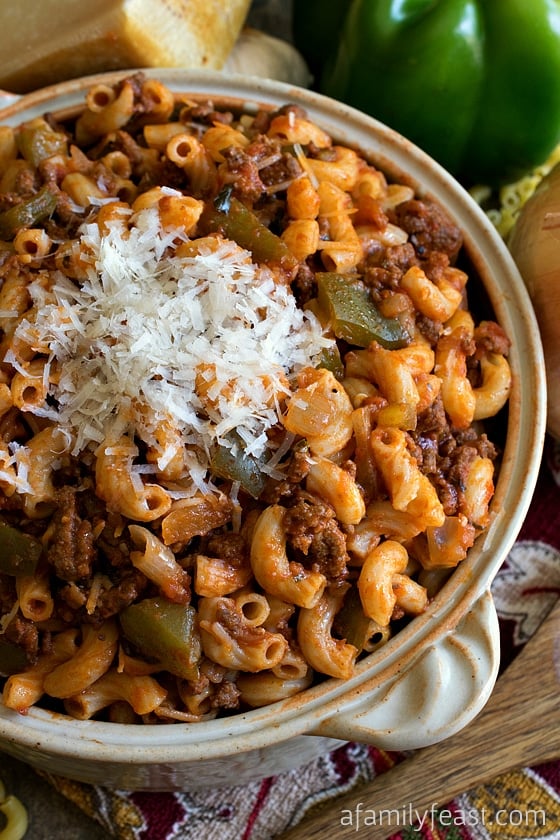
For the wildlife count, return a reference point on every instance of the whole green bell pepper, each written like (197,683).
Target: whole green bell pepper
(475,83)
(316,29)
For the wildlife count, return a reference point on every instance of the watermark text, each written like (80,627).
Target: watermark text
(437,816)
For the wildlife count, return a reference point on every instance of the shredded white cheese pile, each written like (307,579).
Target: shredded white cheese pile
(136,330)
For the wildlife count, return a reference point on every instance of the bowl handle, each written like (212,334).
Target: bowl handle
(439,694)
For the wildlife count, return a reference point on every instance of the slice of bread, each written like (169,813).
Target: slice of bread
(55,40)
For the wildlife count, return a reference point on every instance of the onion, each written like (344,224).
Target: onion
(257,53)
(534,243)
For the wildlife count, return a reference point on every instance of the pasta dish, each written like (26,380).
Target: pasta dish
(243,397)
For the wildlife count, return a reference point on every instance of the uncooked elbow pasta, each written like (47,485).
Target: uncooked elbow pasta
(242,389)
(14,815)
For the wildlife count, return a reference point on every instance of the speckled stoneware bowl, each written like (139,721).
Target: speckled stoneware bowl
(434,676)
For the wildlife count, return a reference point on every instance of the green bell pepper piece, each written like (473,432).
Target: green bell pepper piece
(165,632)
(28,213)
(236,465)
(19,552)
(331,360)
(37,142)
(354,317)
(239,223)
(475,83)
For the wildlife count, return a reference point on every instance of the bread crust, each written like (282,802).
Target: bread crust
(57,40)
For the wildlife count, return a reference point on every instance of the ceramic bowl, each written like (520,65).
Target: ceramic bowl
(435,675)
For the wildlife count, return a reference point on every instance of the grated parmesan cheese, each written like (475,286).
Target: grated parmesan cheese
(128,341)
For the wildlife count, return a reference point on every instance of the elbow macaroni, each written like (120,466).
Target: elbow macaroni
(14,814)
(272,568)
(323,651)
(368,479)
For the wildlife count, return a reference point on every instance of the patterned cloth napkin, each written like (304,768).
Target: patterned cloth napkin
(520,805)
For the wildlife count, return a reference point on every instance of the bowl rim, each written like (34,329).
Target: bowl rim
(95,740)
